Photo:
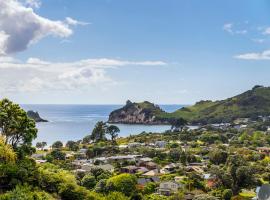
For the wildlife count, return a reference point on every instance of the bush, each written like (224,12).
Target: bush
(125,183)
(89,182)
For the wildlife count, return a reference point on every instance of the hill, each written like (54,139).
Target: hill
(35,116)
(138,113)
(250,104)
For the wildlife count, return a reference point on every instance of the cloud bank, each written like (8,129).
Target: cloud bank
(20,26)
(265,55)
(40,75)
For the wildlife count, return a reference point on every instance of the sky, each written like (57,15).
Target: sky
(108,51)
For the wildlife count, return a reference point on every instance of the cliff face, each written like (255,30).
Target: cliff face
(35,116)
(137,113)
(250,104)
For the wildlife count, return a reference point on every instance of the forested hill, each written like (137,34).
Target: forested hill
(250,104)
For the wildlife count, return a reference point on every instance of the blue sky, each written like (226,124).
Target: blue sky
(167,51)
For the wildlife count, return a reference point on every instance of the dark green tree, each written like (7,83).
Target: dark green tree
(98,133)
(71,145)
(16,127)
(112,131)
(57,145)
(178,124)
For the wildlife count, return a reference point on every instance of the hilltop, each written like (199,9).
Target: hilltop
(35,116)
(138,113)
(250,104)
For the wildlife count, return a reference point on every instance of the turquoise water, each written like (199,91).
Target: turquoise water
(73,122)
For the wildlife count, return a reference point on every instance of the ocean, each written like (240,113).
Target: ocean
(73,122)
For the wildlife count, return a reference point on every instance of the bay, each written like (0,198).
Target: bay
(73,122)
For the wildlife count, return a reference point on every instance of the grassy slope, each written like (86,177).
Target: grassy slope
(248,104)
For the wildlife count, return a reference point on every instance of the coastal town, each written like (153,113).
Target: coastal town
(213,161)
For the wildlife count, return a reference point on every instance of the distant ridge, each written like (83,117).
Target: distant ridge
(250,104)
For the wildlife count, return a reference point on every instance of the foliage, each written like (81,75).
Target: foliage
(26,192)
(16,127)
(227,194)
(113,131)
(98,133)
(116,196)
(125,183)
(57,145)
(89,181)
(218,156)
(6,152)
(73,146)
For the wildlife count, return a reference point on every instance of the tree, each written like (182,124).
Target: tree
(71,145)
(149,188)
(227,194)
(41,145)
(116,196)
(86,139)
(175,155)
(6,152)
(113,131)
(241,173)
(218,156)
(125,183)
(57,145)
(89,181)
(16,127)
(58,155)
(26,192)
(98,133)
(178,124)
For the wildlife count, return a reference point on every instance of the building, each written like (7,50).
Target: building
(169,187)
(160,144)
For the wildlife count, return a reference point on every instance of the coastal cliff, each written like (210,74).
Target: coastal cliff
(138,113)
(35,116)
(250,104)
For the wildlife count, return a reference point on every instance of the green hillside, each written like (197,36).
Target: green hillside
(250,104)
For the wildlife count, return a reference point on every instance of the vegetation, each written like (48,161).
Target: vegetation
(206,163)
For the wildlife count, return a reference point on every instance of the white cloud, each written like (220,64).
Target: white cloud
(20,26)
(267,31)
(265,55)
(39,75)
(74,22)
(229,27)
(33,3)
(258,40)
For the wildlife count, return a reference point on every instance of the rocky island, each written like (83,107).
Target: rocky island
(138,113)
(35,116)
(250,104)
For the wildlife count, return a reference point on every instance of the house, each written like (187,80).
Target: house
(150,165)
(160,144)
(41,161)
(179,178)
(135,144)
(154,172)
(169,187)
(142,170)
(144,160)
(106,167)
(264,150)
(211,181)
(129,169)
(143,181)
(123,146)
(38,156)
(168,169)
